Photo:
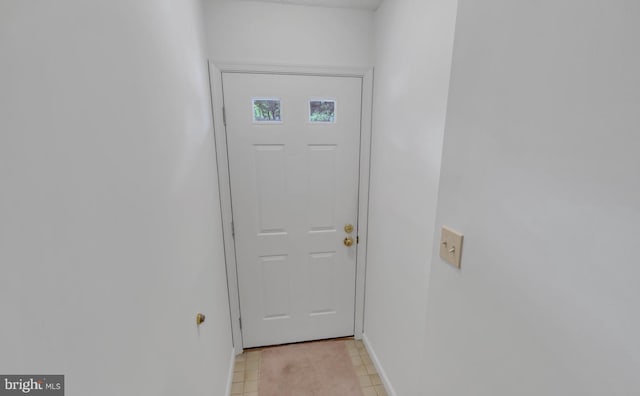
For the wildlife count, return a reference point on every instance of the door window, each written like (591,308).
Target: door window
(322,110)
(266,110)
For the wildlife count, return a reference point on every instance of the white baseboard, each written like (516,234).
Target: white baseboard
(232,364)
(379,368)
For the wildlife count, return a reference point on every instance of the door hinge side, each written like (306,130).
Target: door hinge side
(240,320)
(357,239)
(233,230)
(224,116)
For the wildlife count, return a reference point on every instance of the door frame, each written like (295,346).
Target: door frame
(217,103)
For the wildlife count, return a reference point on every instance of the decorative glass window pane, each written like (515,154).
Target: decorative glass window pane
(266,110)
(322,110)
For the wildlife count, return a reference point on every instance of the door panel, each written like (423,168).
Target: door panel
(276,297)
(322,268)
(271,186)
(294,185)
(322,188)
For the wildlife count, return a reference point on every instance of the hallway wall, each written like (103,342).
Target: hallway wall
(110,236)
(541,173)
(272,33)
(414,40)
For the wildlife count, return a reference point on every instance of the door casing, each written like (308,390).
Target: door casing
(217,103)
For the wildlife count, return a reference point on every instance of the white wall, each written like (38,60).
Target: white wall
(541,173)
(109,216)
(414,40)
(271,33)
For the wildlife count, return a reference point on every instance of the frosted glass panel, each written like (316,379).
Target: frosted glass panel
(322,110)
(266,110)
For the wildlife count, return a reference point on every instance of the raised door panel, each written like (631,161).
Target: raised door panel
(321,191)
(271,189)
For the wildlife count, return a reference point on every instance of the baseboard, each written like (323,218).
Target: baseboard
(232,364)
(379,368)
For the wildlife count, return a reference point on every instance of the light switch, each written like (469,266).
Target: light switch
(451,246)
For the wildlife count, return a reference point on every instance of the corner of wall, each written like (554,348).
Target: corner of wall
(378,365)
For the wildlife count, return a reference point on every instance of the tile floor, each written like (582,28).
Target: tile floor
(247,371)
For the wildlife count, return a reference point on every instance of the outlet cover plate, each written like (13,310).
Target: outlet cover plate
(451,246)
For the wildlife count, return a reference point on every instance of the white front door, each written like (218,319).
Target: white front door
(293,144)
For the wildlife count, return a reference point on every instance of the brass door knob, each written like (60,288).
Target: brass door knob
(200,319)
(348,241)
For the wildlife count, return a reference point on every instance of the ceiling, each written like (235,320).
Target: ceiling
(356,4)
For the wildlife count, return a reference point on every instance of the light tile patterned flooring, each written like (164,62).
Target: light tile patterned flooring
(247,371)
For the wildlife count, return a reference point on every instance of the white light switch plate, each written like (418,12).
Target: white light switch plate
(451,246)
